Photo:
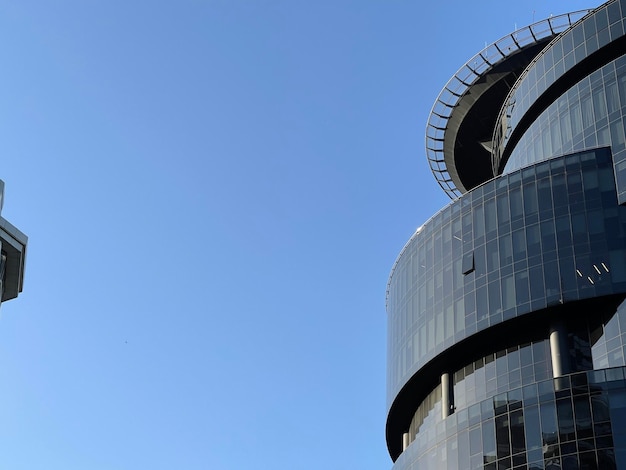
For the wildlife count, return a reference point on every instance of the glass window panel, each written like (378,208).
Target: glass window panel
(548,241)
(549,430)
(457,273)
(518,239)
(482,309)
(599,103)
(533,429)
(456,228)
(552,281)
(431,334)
(587,112)
(617,133)
(579,228)
(601,20)
(526,355)
(546,142)
(521,287)
(621,84)
(475,436)
(459,312)
(502,436)
(559,192)
(604,136)
(464,452)
(574,180)
(595,222)
(566,129)
(612,97)
(518,441)
(508,292)
(467,227)
(590,181)
(468,262)
(440,329)
(566,419)
(515,201)
(606,179)
(618,265)
(479,221)
(545,194)
(513,362)
(536,283)
(582,413)
(576,119)
(530,199)
(607,458)
(555,135)
(489,441)
(600,408)
(533,240)
(506,250)
(493,255)
(490,216)
(502,365)
(437,245)
(495,297)
(479,260)
(449,321)
(563,229)
(503,210)
(538,149)
(470,308)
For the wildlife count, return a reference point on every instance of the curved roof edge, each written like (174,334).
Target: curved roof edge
(439,142)
(503,128)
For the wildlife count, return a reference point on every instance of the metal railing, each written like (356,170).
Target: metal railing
(467,76)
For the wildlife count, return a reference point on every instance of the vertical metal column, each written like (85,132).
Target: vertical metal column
(405,441)
(559,349)
(446,403)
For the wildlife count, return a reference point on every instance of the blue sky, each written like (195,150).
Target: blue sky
(214,193)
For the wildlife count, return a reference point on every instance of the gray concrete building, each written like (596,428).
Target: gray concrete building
(12,256)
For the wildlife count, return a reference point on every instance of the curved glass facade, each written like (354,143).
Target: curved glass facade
(507,309)
(525,241)
(609,340)
(596,31)
(491,375)
(590,114)
(573,422)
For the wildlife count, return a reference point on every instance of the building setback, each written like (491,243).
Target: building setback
(506,310)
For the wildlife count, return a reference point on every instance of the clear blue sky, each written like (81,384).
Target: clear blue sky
(214,193)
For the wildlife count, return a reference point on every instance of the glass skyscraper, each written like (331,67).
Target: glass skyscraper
(506,309)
